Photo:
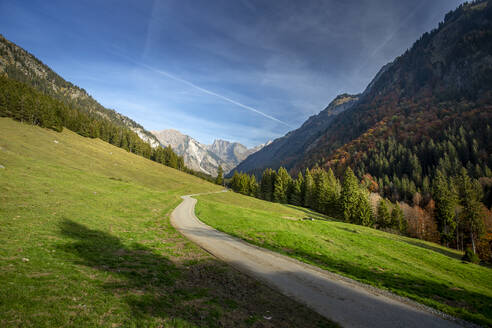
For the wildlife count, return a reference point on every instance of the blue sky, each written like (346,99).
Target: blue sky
(239,70)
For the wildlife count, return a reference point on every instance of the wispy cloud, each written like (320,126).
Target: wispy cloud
(254,110)
(196,87)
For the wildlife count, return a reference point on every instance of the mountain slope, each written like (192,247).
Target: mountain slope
(22,66)
(205,158)
(430,108)
(287,150)
(446,73)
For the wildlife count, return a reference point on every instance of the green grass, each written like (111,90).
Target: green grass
(85,240)
(426,272)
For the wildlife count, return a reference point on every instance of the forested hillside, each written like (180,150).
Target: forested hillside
(22,66)
(287,150)
(23,103)
(430,109)
(416,145)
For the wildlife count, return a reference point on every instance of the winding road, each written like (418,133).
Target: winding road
(339,299)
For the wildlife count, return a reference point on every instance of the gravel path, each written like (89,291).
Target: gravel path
(338,298)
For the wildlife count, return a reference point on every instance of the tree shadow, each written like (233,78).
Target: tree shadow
(202,292)
(313,214)
(468,305)
(434,249)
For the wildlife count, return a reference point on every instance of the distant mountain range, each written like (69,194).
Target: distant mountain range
(205,158)
(20,65)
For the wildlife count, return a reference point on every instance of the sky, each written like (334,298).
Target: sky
(239,70)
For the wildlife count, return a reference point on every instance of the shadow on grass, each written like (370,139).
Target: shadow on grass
(434,249)
(200,292)
(471,306)
(315,215)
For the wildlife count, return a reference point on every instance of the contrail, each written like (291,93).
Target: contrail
(400,26)
(217,95)
(178,79)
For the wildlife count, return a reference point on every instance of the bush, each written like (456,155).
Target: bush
(470,256)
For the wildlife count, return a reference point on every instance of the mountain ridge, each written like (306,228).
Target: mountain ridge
(18,64)
(282,151)
(441,79)
(205,158)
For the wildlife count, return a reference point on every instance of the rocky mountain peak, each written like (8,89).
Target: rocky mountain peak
(205,158)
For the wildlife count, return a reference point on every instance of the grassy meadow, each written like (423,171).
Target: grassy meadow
(423,271)
(85,240)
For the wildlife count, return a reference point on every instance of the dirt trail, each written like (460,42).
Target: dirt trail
(340,299)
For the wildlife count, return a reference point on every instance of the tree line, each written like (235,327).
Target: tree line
(323,192)
(23,103)
(457,209)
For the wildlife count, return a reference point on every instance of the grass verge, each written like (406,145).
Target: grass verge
(86,241)
(423,271)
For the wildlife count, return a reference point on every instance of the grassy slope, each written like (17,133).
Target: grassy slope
(423,271)
(86,241)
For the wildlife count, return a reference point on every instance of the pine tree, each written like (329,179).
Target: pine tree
(471,214)
(334,190)
(244,183)
(320,193)
(253,186)
(363,210)
(266,185)
(296,193)
(281,185)
(220,176)
(398,220)
(308,189)
(384,217)
(349,196)
(446,201)
(235,184)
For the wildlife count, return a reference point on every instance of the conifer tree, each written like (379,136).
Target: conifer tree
(398,220)
(220,176)
(349,195)
(296,191)
(235,182)
(320,194)
(266,185)
(244,183)
(446,201)
(281,184)
(363,210)
(384,216)
(334,190)
(308,189)
(471,213)
(253,186)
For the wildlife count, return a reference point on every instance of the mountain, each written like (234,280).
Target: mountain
(429,109)
(442,82)
(22,66)
(287,150)
(205,158)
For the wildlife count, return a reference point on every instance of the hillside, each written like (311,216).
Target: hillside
(443,79)
(286,151)
(24,67)
(86,241)
(426,272)
(205,158)
(429,108)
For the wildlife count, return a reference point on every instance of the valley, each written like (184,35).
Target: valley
(373,209)
(86,241)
